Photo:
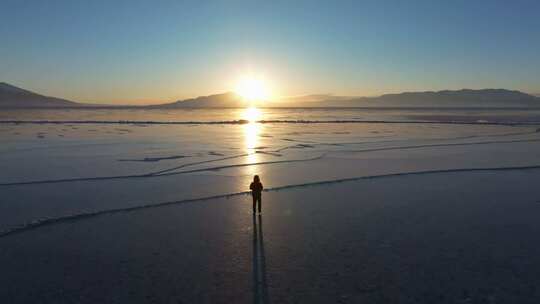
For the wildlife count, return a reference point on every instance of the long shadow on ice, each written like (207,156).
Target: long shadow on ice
(260,291)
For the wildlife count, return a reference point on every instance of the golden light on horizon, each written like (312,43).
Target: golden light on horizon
(252,89)
(251,114)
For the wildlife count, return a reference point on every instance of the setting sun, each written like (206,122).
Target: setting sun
(252,89)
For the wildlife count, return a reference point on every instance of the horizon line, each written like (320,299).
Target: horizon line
(151,102)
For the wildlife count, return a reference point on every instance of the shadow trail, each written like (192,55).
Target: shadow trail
(260,290)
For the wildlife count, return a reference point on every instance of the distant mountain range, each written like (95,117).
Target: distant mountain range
(446,98)
(225,100)
(14,97)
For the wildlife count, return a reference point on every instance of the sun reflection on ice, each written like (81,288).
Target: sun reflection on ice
(251,137)
(251,114)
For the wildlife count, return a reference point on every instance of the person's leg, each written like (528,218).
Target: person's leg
(254,202)
(259,199)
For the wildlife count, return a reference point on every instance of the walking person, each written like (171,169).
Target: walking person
(256,188)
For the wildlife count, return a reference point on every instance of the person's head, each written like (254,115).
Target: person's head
(256,179)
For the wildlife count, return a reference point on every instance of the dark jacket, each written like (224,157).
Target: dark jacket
(256,188)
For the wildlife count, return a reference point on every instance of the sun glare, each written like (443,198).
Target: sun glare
(251,114)
(252,90)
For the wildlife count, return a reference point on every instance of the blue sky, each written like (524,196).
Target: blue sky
(150,51)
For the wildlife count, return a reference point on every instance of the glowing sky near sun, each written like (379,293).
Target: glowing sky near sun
(149,52)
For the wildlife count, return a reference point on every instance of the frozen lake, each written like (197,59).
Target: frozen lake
(78,167)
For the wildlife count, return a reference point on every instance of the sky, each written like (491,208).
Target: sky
(154,51)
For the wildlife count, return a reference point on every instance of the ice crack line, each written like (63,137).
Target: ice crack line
(75,217)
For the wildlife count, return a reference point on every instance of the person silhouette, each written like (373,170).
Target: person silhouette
(256,188)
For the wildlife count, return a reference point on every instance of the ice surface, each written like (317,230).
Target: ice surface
(94,168)
(442,237)
(175,193)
